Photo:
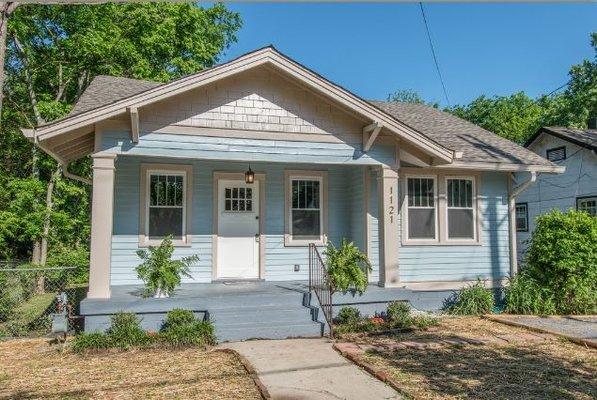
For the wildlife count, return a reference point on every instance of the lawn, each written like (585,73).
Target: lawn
(478,359)
(32,369)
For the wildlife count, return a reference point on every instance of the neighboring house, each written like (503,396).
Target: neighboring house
(425,194)
(575,189)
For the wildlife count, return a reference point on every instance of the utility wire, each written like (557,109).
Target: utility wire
(434,55)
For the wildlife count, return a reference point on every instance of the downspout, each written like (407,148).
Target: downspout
(32,134)
(513,192)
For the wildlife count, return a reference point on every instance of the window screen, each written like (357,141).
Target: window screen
(556,154)
(306,208)
(238,199)
(522,217)
(588,205)
(421,208)
(166,202)
(461,224)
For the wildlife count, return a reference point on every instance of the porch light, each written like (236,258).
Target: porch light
(249,176)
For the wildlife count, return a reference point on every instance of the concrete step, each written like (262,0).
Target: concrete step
(268,331)
(275,315)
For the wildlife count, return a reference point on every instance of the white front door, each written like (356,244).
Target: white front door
(238,230)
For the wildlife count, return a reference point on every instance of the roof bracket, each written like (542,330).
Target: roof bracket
(370,133)
(134,113)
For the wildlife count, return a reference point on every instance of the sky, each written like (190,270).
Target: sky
(373,49)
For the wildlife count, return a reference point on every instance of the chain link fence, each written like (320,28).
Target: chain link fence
(30,295)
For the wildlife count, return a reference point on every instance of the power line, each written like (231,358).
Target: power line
(441,79)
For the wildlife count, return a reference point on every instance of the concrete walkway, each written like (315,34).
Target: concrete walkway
(296,369)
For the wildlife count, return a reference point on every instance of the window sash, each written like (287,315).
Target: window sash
(587,204)
(460,207)
(169,193)
(303,189)
(556,154)
(521,217)
(421,195)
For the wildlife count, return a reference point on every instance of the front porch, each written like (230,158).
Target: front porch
(248,309)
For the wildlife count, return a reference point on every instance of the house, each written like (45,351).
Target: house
(426,195)
(575,189)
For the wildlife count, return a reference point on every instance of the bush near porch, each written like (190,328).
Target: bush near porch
(560,271)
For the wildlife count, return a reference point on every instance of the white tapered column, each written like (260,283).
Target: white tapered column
(388,226)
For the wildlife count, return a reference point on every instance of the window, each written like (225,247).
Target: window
(461,211)
(522,217)
(166,205)
(421,208)
(165,193)
(587,204)
(556,154)
(238,199)
(305,208)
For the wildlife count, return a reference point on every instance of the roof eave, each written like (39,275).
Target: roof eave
(506,167)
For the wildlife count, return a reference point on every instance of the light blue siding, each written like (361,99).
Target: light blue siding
(279,260)
(215,148)
(452,263)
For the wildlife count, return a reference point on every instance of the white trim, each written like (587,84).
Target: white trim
(147,170)
(407,238)
(321,177)
(474,207)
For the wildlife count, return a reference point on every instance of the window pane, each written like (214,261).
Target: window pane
(235,193)
(249,205)
(295,201)
(421,223)
(241,193)
(249,193)
(178,194)
(228,193)
(460,223)
(228,206)
(165,221)
(234,205)
(460,193)
(588,205)
(305,223)
(315,194)
(153,190)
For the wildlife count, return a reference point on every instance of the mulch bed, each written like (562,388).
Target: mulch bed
(475,358)
(34,369)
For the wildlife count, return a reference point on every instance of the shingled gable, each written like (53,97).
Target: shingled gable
(85,119)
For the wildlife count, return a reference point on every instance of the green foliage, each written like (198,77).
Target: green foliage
(409,96)
(399,314)
(348,315)
(177,317)
(347,267)
(561,262)
(474,299)
(93,341)
(525,296)
(159,271)
(126,332)
(196,333)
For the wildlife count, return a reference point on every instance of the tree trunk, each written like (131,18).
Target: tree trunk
(48,217)
(6,8)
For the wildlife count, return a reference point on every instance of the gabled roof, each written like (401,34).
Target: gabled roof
(265,56)
(581,137)
(476,143)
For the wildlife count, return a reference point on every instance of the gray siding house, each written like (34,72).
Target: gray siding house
(429,197)
(576,189)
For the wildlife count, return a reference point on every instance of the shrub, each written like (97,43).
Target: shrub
(348,315)
(525,296)
(91,341)
(562,259)
(126,332)
(177,317)
(347,267)
(474,299)
(196,333)
(159,272)
(424,322)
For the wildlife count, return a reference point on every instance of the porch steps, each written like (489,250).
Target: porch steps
(263,316)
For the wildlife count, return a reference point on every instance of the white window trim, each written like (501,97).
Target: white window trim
(441,207)
(526,216)
(474,207)
(186,171)
(406,207)
(320,176)
(584,198)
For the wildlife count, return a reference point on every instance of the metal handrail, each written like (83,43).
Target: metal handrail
(320,283)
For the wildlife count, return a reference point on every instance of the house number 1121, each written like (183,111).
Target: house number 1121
(391,206)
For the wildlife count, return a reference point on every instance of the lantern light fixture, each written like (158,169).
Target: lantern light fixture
(249,176)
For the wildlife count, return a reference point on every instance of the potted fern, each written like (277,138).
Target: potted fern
(347,267)
(160,273)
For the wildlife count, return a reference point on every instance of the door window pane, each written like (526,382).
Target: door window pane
(238,199)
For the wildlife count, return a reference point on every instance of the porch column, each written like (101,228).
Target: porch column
(387,189)
(101,225)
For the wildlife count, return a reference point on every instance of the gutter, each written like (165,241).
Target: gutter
(32,136)
(513,192)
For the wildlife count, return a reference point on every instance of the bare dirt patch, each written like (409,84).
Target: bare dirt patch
(478,359)
(32,369)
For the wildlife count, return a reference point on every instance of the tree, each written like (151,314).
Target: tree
(409,96)
(53,53)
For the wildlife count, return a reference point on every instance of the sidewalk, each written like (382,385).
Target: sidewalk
(309,369)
